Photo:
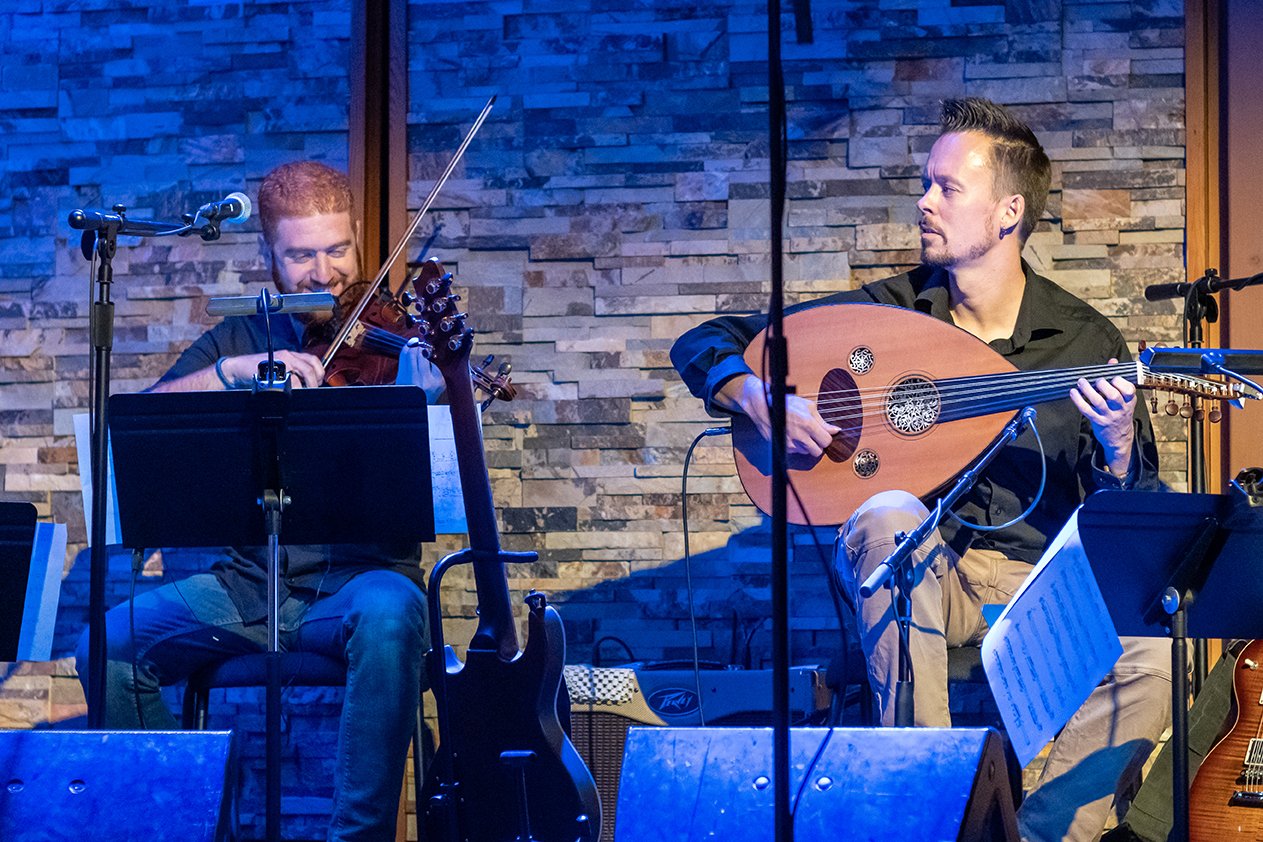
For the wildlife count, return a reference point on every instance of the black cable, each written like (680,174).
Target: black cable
(596,648)
(688,566)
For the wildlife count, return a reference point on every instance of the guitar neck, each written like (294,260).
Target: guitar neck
(495,616)
(986,394)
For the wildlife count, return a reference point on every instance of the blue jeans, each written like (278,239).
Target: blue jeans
(375,624)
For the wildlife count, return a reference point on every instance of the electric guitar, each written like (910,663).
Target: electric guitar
(917,400)
(1225,800)
(504,769)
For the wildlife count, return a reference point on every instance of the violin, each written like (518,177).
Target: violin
(381,324)
(388,323)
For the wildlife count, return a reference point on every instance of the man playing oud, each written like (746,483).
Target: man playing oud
(985,185)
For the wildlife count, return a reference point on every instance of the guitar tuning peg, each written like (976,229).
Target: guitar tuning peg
(412,320)
(406,298)
(1172,408)
(1214,415)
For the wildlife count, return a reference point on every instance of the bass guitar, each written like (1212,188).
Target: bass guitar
(504,769)
(917,400)
(1225,800)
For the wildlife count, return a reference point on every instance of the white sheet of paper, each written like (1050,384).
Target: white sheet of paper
(83,449)
(1052,645)
(43,592)
(449,504)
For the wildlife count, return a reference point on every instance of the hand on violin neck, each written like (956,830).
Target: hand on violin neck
(306,369)
(416,370)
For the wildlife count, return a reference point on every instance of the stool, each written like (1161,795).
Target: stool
(298,669)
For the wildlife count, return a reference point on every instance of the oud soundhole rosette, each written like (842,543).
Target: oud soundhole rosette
(912,406)
(866,464)
(861,361)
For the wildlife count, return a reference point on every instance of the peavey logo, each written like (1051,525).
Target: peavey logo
(673,701)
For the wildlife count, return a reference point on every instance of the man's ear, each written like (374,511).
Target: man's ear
(1014,209)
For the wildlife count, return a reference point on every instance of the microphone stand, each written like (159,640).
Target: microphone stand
(898,570)
(778,362)
(1199,306)
(101,230)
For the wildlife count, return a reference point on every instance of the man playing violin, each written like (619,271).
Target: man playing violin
(364,606)
(985,185)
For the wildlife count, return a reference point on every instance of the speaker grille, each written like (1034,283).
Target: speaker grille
(599,738)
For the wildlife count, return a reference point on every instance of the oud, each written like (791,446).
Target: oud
(917,400)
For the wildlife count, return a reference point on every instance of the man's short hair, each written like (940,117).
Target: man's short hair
(1020,163)
(298,189)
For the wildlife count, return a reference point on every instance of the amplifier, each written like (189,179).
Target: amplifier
(605,702)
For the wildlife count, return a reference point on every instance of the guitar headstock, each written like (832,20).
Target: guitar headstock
(446,339)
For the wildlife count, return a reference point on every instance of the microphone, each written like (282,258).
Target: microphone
(235,207)
(1161,292)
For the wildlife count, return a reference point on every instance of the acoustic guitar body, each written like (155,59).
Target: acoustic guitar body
(1226,797)
(872,366)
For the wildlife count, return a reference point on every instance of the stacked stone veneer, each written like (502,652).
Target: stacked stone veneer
(617,196)
(160,106)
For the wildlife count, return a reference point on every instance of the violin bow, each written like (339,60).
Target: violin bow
(402,243)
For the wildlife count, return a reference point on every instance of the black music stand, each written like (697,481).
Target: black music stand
(1177,565)
(342,466)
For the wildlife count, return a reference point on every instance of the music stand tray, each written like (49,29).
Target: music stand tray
(1178,566)
(354,462)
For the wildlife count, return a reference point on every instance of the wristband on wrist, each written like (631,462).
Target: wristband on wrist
(219,369)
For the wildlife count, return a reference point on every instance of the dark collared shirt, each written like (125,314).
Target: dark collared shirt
(1054,329)
(311,570)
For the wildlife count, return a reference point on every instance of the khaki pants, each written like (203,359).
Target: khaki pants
(1102,745)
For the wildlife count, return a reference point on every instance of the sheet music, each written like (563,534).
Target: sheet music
(1051,646)
(83,450)
(449,504)
(43,592)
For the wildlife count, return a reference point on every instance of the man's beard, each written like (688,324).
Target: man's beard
(942,256)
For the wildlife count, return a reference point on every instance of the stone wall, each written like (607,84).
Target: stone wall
(618,196)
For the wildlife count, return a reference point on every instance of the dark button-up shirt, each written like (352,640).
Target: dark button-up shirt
(1054,329)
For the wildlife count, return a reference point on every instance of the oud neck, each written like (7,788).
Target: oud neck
(985,394)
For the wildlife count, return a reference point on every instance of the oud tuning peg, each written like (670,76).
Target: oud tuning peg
(1214,415)
(1153,404)
(1172,408)
(1186,411)
(1199,413)
(1142,345)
